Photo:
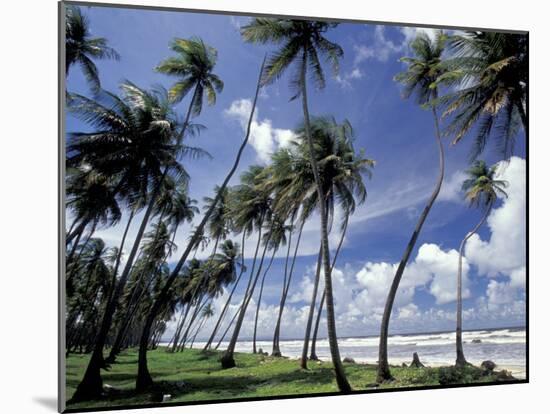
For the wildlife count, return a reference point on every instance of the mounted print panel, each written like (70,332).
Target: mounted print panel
(260,207)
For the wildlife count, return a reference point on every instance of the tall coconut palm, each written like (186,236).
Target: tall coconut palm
(275,237)
(491,72)
(218,225)
(81,48)
(302,41)
(279,179)
(137,143)
(91,199)
(193,66)
(217,272)
(481,190)
(313,354)
(420,79)
(206,314)
(341,172)
(91,286)
(253,201)
(144,380)
(229,298)
(173,207)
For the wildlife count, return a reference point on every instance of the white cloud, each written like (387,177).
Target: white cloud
(264,138)
(345,79)
(444,267)
(410,33)
(380,49)
(451,190)
(504,253)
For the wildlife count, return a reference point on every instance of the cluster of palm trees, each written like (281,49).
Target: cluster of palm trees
(132,166)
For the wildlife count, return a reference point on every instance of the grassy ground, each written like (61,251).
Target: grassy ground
(254,376)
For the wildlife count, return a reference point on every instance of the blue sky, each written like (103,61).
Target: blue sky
(395,132)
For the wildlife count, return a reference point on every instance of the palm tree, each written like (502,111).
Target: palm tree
(82,48)
(193,66)
(144,380)
(313,354)
(302,41)
(252,210)
(206,314)
(91,273)
(136,142)
(91,198)
(275,237)
(173,207)
(218,224)
(424,69)
(220,270)
(481,190)
(287,202)
(491,71)
(241,272)
(341,171)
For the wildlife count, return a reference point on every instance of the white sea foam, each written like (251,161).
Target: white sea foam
(506,347)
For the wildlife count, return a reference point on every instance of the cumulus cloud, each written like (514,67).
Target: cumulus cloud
(411,33)
(504,252)
(360,292)
(264,138)
(451,190)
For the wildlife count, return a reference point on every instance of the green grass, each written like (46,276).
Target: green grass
(254,376)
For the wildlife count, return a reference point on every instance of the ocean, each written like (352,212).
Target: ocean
(505,347)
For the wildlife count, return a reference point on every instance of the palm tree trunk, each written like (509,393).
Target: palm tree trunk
(133,303)
(276,351)
(313,354)
(460,358)
(228,301)
(180,328)
(303,359)
(228,327)
(77,232)
(120,252)
(384,373)
(91,385)
(260,301)
(196,312)
(197,331)
(227,359)
(144,380)
(341,380)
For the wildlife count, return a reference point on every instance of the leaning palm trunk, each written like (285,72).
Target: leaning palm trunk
(276,351)
(91,385)
(133,304)
(228,301)
(341,380)
(260,301)
(198,307)
(313,354)
(119,255)
(460,358)
(78,231)
(303,359)
(144,380)
(203,320)
(384,373)
(180,328)
(229,325)
(227,359)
